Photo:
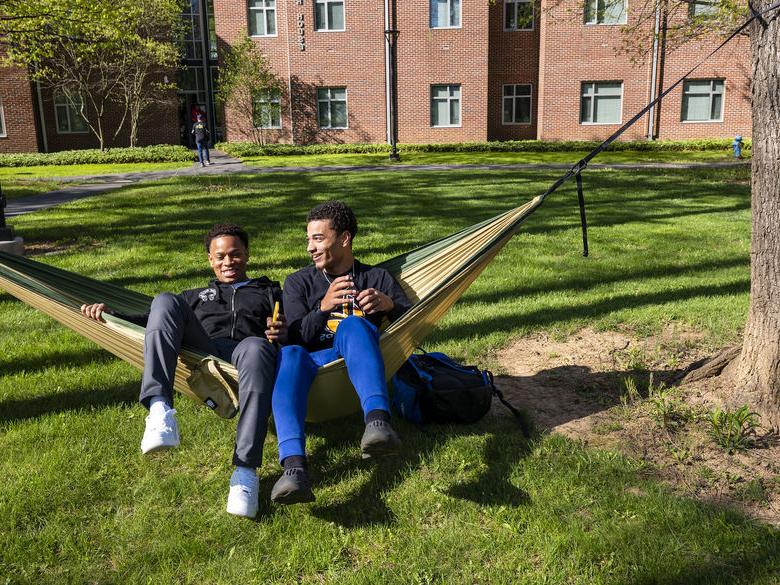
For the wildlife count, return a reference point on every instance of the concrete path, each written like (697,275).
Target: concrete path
(223,164)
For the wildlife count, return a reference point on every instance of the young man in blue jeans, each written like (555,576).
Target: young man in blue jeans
(334,309)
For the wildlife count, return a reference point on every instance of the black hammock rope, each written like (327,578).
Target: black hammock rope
(581,165)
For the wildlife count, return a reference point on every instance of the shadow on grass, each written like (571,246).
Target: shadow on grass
(28,408)
(503,449)
(53,359)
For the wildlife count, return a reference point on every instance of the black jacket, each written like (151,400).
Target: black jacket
(201,132)
(303,291)
(226,312)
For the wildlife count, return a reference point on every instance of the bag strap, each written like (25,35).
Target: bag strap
(520,417)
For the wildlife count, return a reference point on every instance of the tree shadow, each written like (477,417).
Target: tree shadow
(74,400)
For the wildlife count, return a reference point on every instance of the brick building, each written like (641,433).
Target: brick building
(467,70)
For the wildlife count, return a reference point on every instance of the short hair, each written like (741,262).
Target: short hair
(341,217)
(226,229)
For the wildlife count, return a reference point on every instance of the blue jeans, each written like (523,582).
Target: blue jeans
(203,147)
(357,341)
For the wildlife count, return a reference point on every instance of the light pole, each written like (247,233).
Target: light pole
(391,38)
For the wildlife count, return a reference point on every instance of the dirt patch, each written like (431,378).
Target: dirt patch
(615,390)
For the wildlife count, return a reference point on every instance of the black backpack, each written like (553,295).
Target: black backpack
(433,388)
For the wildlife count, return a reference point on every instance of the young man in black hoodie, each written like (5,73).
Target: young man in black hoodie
(232,319)
(334,309)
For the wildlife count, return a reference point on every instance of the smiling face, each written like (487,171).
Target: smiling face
(329,250)
(228,258)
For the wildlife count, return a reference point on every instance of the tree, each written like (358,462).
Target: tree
(250,90)
(753,370)
(94,52)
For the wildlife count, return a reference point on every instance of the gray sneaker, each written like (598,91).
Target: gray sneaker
(379,439)
(293,487)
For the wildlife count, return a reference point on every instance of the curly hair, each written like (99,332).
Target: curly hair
(340,215)
(226,229)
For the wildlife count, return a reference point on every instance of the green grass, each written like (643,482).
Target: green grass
(25,181)
(470,504)
(461,158)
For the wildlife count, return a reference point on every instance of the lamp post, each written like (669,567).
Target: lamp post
(391,38)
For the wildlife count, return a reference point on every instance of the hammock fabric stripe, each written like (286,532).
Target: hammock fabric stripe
(434,276)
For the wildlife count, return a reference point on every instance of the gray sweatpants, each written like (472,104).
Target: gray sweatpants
(173,323)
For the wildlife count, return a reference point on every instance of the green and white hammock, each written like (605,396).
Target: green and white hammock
(433,276)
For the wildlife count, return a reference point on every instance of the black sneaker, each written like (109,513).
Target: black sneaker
(379,439)
(293,487)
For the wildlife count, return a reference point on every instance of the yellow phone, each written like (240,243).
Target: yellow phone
(274,317)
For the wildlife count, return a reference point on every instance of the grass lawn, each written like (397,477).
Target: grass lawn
(470,504)
(23,181)
(461,158)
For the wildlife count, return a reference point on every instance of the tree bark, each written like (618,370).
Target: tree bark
(757,372)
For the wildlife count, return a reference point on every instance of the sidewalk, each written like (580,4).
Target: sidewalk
(223,164)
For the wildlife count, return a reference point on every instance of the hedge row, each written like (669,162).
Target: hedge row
(146,154)
(244,149)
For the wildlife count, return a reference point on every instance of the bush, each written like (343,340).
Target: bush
(243,149)
(146,154)
(734,430)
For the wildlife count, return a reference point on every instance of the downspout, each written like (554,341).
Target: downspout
(387,74)
(44,138)
(654,72)
(206,61)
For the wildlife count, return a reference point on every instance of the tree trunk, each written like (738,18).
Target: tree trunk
(757,372)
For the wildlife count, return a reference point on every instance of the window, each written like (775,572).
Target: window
(702,8)
(601,102)
(445,13)
(329,15)
(605,11)
(267,110)
(67,110)
(332,107)
(445,105)
(262,18)
(702,100)
(518,15)
(517,104)
(2,120)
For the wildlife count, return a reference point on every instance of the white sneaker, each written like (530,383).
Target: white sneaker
(243,496)
(162,432)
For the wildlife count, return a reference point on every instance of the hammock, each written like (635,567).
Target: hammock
(433,276)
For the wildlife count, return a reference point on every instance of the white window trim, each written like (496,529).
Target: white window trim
(624,21)
(531,99)
(722,104)
(533,18)
(271,99)
(68,131)
(346,107)
(460,105)
(620,119)
(4,133)
(326,2)
(249,10)
(431,27)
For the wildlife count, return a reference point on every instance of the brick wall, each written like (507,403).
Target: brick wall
(19,111)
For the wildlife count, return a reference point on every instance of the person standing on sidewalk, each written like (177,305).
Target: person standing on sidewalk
(201,132)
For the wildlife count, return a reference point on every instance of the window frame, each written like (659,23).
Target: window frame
(596,22)
(449,99)
(507,3)
(326,3)
(268,98)
(449,11)
(3,127)
(329,101)
(69,107)
(594,97)
(710,11)
(264,9)
(513,97)
(711,92)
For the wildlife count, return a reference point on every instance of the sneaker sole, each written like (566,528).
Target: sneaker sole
(155,448)
(372,451)
(296,497)
(242,513)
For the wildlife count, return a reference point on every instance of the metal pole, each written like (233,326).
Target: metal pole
(206,61)
(391,35)
(6,232)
